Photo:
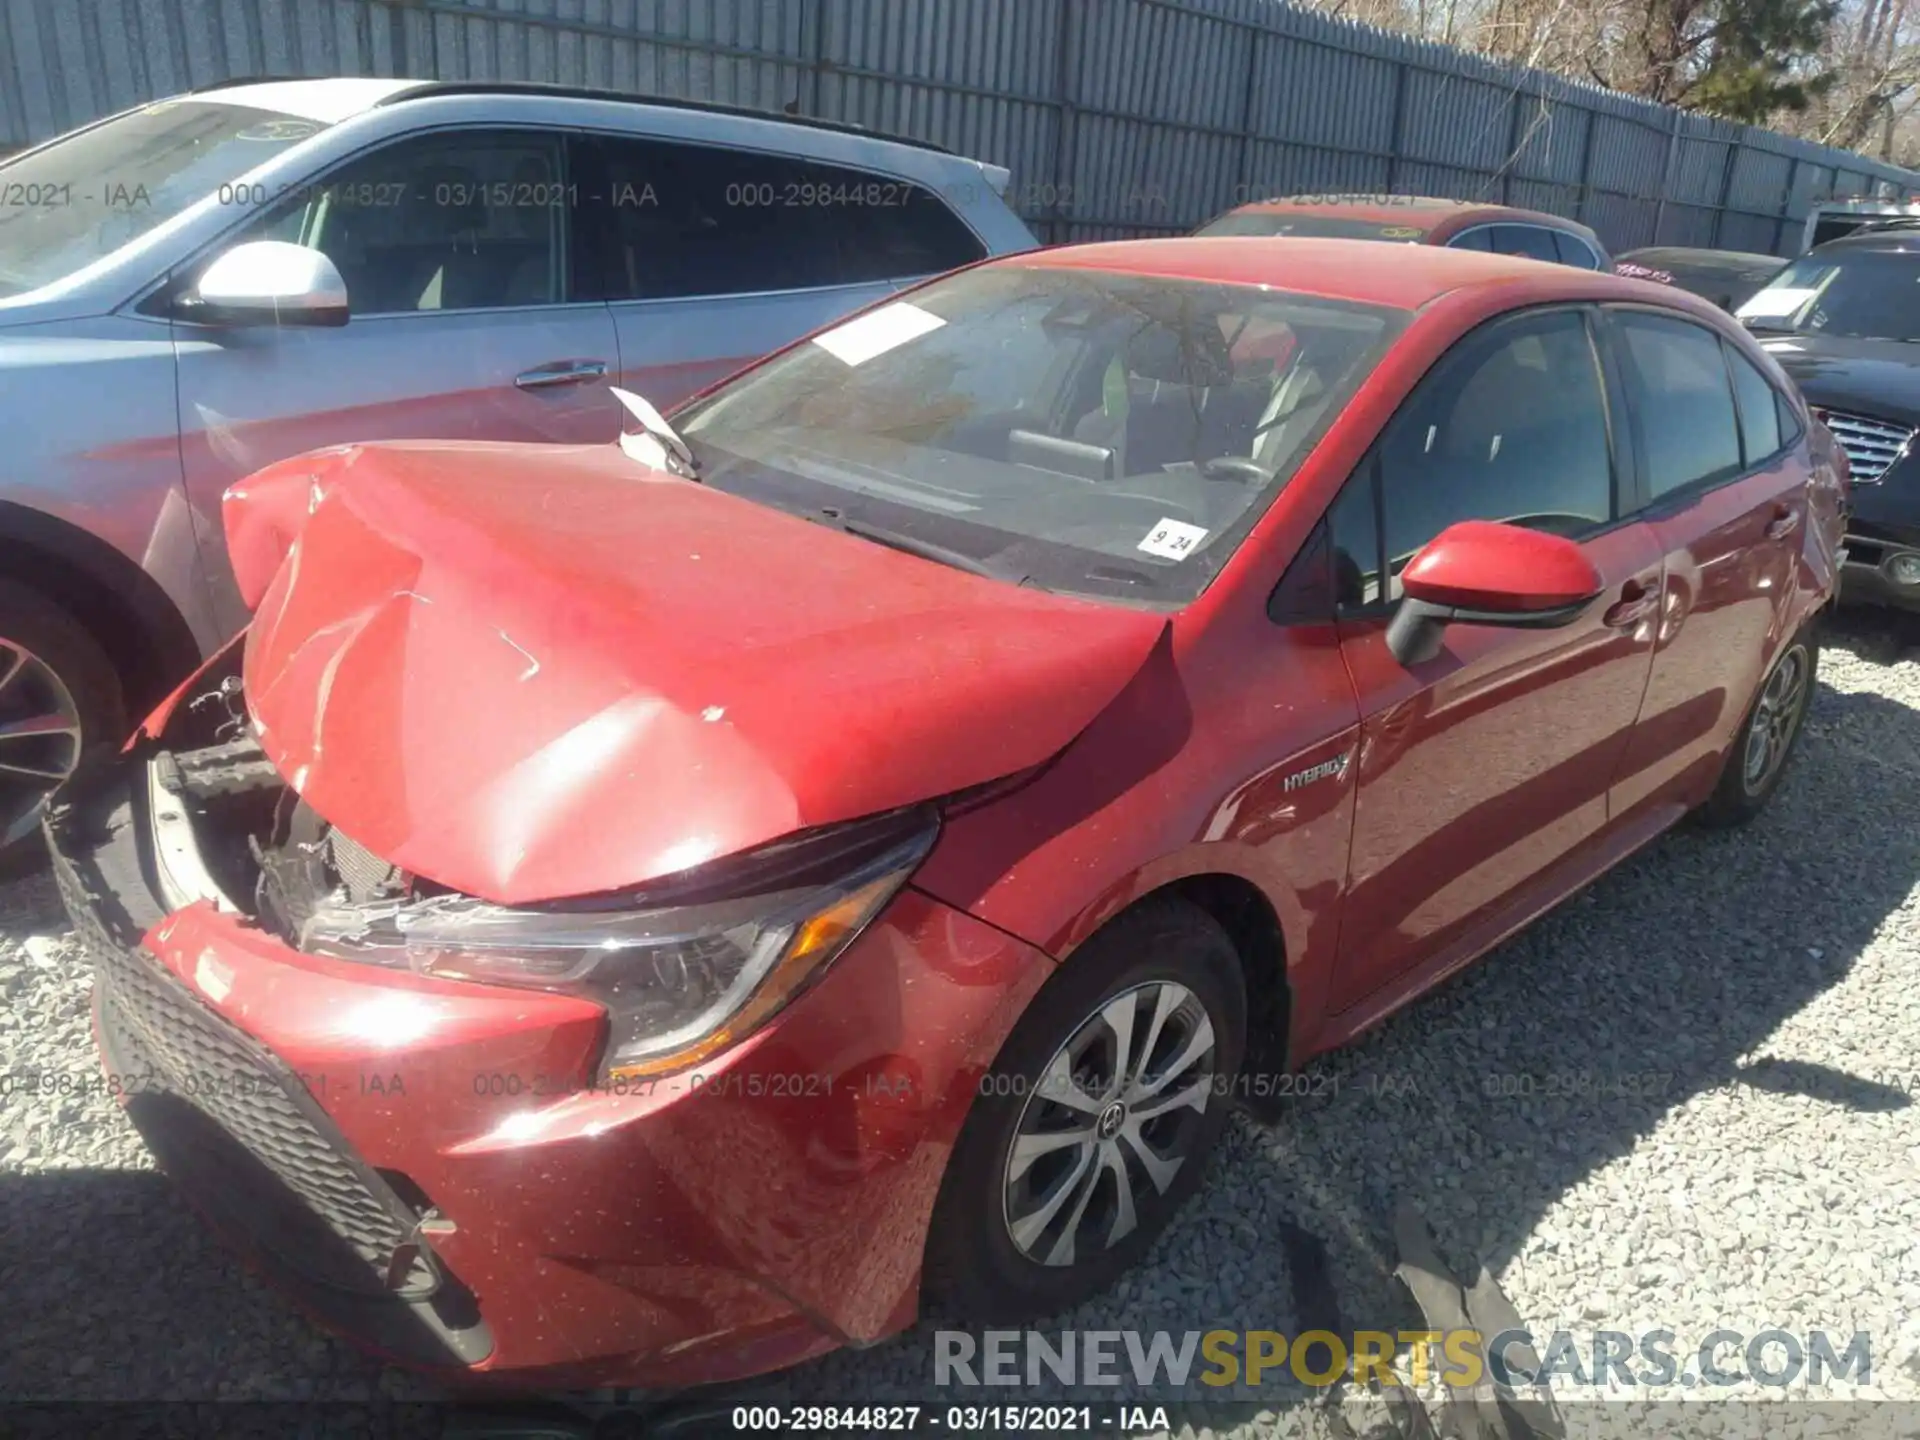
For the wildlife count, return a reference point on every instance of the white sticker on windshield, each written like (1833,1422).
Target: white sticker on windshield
(1774,301)
(1172,540)
(887,328)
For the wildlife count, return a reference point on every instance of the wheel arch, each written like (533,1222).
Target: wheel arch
(1245,911)
(132,619)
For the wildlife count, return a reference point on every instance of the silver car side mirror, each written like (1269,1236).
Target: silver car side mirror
(268,282)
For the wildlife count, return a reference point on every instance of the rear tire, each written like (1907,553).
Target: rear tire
(1016,1240)
(60,707)
(1765,741)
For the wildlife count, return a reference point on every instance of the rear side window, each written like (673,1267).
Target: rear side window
(1527,240)
(1683,398)
(1759,405)
(1575,251)
(662,220)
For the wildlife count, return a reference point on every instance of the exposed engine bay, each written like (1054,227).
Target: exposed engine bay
(228,828)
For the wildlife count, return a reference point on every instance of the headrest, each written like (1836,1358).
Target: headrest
(1193,355)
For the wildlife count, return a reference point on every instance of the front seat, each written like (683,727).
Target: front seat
(1179,402)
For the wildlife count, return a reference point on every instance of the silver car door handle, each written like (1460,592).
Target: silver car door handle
(561,372)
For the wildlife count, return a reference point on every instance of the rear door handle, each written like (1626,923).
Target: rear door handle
(561,372)
(1636,603)
(1785,521)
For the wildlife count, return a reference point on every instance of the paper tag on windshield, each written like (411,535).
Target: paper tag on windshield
(1770,304)
(1172,540)
(887,328)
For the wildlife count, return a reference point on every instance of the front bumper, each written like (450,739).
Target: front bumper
(428,1166)
(1868,577)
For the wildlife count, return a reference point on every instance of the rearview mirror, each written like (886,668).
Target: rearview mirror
(268,282)
(1482,573)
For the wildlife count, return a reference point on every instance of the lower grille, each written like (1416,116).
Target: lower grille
(169,1042)
(1872,446)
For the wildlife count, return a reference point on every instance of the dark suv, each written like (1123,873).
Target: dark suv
(1844,321)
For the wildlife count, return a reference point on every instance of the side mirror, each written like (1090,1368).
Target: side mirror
(268,282)
(1482,573)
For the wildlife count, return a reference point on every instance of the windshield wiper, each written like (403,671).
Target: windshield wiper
(927,550)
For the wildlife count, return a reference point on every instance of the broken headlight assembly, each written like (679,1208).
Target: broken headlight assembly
(685,968)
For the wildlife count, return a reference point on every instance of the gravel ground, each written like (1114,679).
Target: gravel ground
(1680,1102)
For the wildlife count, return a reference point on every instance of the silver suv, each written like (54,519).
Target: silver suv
(198,287)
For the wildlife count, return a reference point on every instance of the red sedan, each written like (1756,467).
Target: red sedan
(653,917)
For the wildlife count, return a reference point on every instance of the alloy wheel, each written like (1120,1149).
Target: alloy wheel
(40,737)
(1111,1121)
(1775,719)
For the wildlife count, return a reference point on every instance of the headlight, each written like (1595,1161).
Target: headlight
(683,969)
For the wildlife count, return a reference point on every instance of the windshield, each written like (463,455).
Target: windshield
(1862,294)
(1329,227)
(67,204)
(1085,431)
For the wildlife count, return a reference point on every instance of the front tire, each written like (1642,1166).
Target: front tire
(1095,1123)
(60,705)
(1764,743)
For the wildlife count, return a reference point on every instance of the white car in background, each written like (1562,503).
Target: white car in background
(195,288)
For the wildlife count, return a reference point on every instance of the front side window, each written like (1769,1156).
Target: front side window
(81,198)
(1512,427)
(1861,294)
(665,220)
(1100,433)
(1677,381)
(460,220)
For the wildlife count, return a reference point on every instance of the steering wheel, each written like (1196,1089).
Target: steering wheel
(1235,467)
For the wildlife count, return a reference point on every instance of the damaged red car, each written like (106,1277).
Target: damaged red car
(652,914)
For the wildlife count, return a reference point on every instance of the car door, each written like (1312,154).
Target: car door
(712,256)
(1727,498)
(464,324)
(1482,768)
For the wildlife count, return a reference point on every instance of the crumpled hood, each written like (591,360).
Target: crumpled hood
(530,672)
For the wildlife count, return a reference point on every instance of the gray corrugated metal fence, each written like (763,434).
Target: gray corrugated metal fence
(1116,117)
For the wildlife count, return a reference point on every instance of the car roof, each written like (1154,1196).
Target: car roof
(1363,271)
(1425,211)
(1663,257)
(328,101)
(332,100)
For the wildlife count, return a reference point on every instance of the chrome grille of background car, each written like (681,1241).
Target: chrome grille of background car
(1871,445)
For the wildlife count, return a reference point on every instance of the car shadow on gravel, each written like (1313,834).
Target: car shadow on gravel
(1489,1101)
(1877,634)
(115,1291)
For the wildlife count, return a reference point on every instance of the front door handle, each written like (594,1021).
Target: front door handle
(561,372)
(1785,521)
(1635,604)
